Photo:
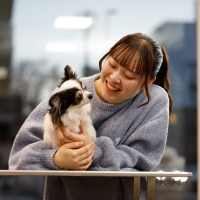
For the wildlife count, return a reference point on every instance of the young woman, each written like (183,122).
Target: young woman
(130,112)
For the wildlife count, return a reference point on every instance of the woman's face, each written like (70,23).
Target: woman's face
(117,84)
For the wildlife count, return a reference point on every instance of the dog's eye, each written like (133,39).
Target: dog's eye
(79,97)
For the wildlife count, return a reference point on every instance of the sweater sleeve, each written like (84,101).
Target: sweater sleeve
(142,150)
(29,150)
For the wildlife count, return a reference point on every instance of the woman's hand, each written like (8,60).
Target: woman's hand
(74,156)
(64,135)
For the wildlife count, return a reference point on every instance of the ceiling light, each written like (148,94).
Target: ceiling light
(74,23)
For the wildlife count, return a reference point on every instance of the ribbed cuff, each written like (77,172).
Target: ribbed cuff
(47,159)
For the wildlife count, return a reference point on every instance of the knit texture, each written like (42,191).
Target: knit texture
(129,138)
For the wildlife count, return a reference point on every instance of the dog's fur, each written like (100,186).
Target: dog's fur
(69,106)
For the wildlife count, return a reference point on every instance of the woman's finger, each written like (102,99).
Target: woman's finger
(73,145)
(65,130)
(59,136)
(85,163)
(87,159)
(84,167)
(88,153)
(70,135)
(83,129)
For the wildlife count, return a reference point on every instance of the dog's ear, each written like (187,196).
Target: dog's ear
(55,109)
(69,74)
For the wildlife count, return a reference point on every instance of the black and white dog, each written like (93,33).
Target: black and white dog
(68,106)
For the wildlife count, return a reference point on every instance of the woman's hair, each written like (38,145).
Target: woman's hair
(146,57)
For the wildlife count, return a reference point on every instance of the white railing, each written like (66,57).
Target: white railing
(151,177)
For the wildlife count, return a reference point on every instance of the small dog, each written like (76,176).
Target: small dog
(69,106)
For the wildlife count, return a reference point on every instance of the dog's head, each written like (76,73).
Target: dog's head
(71,94)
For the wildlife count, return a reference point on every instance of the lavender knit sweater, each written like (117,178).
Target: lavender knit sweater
(128,139)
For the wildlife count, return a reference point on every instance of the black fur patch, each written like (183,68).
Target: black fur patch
(60,102)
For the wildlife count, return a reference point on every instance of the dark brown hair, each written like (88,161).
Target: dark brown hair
(140,53)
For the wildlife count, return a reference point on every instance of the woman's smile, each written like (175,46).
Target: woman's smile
(111,88)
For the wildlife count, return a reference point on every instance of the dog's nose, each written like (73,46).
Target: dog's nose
(90,96)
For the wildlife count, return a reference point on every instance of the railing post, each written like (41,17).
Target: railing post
(136,188)
(151,188)
(198,97)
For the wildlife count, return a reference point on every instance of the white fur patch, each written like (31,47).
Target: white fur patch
(69,84)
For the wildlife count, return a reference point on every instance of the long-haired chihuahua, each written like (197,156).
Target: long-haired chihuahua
(68,106)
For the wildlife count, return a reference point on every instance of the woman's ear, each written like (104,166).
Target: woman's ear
(151,80)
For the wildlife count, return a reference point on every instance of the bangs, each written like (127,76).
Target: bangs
(129,58)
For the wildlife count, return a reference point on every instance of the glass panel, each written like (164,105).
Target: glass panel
(33,53)
(179,38)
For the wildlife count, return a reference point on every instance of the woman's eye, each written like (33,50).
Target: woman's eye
(130,78)
(112,66)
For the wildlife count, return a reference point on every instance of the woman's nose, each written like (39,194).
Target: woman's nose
(115,76)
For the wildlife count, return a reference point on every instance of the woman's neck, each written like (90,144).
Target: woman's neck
(98,86)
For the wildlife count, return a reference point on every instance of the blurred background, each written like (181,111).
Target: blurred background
(38,38)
